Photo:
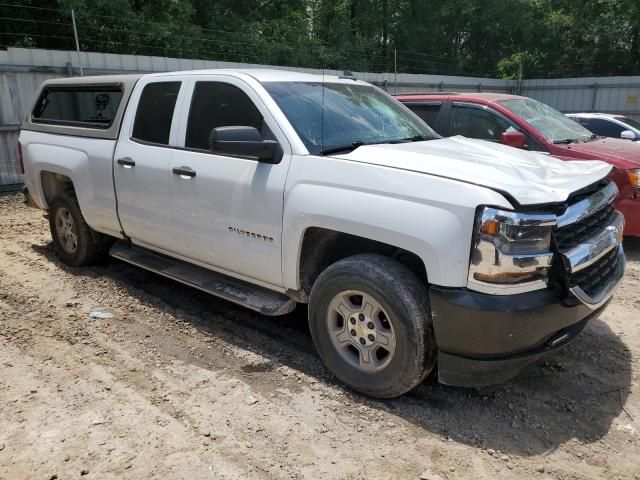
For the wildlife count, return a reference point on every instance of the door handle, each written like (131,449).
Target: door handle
(126,162)
(184,172)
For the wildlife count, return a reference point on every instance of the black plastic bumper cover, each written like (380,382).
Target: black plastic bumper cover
(487,339)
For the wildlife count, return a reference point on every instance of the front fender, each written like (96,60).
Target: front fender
(432,217)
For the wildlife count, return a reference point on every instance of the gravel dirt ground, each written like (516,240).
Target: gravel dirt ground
(182,385)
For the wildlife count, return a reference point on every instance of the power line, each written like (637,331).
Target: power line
(250,38)
(214,46)
(31,20)
(16,5)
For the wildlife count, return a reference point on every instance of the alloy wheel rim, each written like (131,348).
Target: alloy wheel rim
(361,330)
(65,230)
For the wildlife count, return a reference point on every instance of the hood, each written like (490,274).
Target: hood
(622,153)
(530,178)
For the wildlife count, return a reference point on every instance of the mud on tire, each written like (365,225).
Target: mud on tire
(75,242)
(373,303)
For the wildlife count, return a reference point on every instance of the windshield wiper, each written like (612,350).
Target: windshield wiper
(342,148)
(359,143)
(577,140)
(416,138)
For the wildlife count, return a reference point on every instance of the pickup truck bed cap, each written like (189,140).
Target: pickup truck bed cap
(127,82)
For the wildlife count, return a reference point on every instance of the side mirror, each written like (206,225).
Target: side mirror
(513,138)
(240,141)
(627,135)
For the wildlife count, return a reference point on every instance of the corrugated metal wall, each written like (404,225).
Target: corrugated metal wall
(619,95)
(22,70)
(17,91)
(10,118)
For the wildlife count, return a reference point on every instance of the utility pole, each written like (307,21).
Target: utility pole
(75,34)
(395,70)
(520,78)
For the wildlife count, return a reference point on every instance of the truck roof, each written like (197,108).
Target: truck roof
(259,74)
(264,75)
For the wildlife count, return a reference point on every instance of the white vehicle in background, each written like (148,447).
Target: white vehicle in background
(609,125)
(271,188)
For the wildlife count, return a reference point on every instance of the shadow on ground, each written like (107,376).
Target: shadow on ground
(632,248)
(575,394)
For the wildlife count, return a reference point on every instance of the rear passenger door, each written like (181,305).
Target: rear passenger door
(142,163)
(228,214)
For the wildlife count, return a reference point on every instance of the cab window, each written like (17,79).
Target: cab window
(219,104)
(155,112)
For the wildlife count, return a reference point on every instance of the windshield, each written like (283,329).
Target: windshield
(353,115)
(630,121)
(555,126)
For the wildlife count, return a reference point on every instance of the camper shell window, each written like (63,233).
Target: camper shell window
(89,106)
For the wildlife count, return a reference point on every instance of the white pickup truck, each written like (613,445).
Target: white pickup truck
(272,188)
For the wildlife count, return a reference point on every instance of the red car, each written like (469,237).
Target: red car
(522,122)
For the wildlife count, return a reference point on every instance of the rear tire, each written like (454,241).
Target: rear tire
(75,242)
(370,321)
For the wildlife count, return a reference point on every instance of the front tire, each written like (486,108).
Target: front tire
(75,242)
(370,321)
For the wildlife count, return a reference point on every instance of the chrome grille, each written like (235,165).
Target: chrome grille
(576,233)
(592,278)
(588,239)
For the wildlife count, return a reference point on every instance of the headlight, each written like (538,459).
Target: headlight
(634,177)
(511,251)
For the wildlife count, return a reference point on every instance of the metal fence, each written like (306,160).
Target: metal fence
(618,95)
(22,70)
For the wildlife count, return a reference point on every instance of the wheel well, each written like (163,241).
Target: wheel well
(322,247)
(53,184)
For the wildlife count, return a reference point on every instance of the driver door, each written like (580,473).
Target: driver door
(227,213)
(484,123)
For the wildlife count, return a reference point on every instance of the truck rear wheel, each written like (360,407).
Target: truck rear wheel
(75,242)
(370,321)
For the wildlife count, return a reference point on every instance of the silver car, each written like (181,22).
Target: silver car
(609,125)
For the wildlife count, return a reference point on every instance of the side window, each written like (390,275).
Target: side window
(427,112)
(477,123)
(603,127)
(87,106)
(155,112)
(218,104)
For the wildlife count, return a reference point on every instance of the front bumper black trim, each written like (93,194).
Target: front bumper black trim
(484,339)
(474,372)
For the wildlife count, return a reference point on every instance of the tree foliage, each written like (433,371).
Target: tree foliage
(488,37)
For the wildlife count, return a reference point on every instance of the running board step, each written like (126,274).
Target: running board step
(260,299)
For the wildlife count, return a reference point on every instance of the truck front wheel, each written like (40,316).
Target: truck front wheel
(370,320)
(75,242)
